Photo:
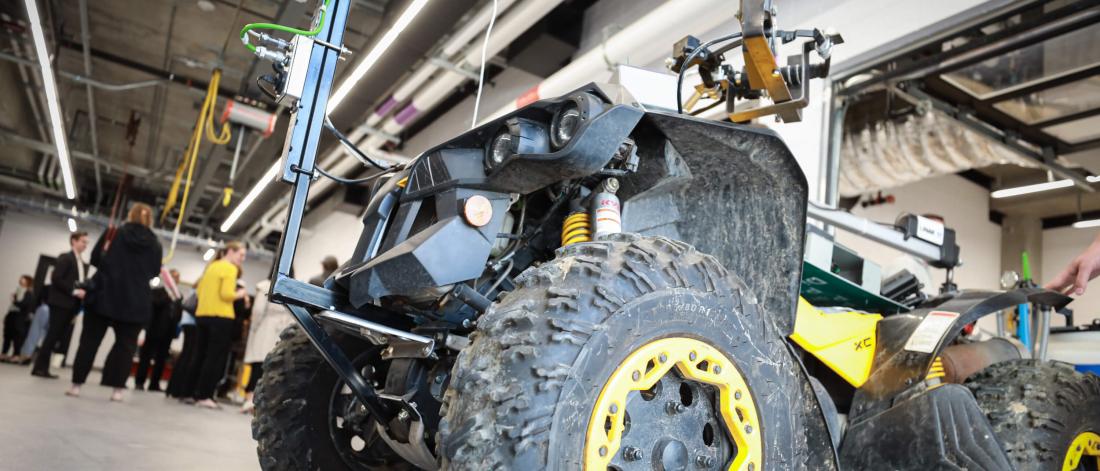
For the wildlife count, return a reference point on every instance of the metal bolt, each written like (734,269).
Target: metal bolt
(717,369)
(632,453)
(466,323)
(662,358)
(403,415)
(614,408)
(439,379)
(704,461)
(691,356)
(748,429)
(737,395)
(603,451)
(675,407)
(752,466)
(636,375)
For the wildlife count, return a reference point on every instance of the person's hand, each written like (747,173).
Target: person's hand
(1075,277)
(79,293)
(241,293)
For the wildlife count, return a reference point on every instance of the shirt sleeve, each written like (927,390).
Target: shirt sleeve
(227,288)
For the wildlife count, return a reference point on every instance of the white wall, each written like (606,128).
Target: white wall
(1060,246)
(964,207)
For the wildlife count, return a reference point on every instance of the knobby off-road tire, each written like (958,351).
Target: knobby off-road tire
(1037,409)
(522,393)
(292,421)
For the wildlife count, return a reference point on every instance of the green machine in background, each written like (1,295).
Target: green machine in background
(834,275)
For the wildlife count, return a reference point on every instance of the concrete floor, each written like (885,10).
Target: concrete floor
(41,428)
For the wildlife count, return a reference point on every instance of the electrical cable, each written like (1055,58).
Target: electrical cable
(687,62)
(358,154)
(286,29)
(206,114)
(481,76)
(346,181)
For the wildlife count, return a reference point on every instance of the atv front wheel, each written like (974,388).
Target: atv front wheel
(627,353)
(307,418)
(1046,415)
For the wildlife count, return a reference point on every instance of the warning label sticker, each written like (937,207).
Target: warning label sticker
(930,331)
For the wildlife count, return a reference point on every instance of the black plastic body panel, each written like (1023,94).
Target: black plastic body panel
(895,369)
(447,251)
(940,429)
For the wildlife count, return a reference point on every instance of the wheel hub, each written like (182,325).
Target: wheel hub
(1086,446)
(674,404)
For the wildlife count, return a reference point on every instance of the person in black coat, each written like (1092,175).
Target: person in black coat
(64,296)
(120,298)
(159,333)
(18,319)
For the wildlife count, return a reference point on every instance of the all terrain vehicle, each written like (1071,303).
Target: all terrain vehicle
(587,283)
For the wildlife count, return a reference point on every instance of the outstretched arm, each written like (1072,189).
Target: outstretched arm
(1075,277)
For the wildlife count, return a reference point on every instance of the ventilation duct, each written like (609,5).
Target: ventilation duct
(892,153)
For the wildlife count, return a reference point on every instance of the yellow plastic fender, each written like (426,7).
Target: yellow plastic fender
(844,341)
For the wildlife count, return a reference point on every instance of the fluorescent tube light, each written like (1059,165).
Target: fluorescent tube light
(48,83)
(251,196)
(375,53)
(1086,224)
(1023,190)
(208,255)
(72,225)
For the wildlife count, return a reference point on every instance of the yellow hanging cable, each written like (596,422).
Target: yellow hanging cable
(206,115)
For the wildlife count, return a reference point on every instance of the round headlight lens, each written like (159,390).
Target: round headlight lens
(502,147)
(565,125)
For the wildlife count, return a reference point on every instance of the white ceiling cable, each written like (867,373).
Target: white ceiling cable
(481,76)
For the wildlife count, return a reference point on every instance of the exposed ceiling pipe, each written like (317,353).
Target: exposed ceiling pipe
(30,84)
(86,38)
(510,24)
(111,87)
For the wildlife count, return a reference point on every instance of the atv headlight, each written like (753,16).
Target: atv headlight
(517,136)
(571,116)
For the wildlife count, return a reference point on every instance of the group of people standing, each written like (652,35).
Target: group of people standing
(119,296)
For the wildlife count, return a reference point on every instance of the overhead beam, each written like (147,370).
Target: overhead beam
(178,79)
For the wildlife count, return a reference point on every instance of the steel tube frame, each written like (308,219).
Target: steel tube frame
(298,165)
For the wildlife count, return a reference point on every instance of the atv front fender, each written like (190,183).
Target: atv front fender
(732,191)
(896,368)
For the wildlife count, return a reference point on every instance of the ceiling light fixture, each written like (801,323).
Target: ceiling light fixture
(50,86)
(384,43)
(1086,224)
(72,224)
(208,255)
(1026,189)
(251,196)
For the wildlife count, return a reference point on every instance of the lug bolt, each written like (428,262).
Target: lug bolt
(603,451)
(614,408)
(691,356)
(662,358)
(632,453)
(717,369)
(636,375)
(737,395)
(675,407)
(703,461)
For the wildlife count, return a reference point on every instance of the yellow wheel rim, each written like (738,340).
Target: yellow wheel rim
(695,361)
(1086,444)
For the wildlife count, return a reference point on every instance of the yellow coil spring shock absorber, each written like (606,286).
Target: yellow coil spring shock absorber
(937,370)
(577,228)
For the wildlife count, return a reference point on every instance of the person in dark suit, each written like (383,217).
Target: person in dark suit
(121,299)
(64,297)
